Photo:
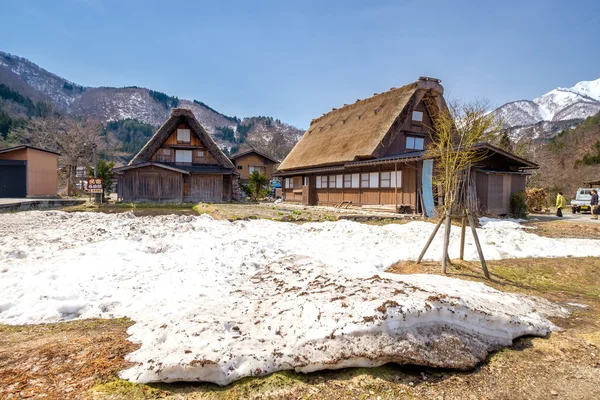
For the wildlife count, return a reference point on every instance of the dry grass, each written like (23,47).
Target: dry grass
(61,361)
(565,229)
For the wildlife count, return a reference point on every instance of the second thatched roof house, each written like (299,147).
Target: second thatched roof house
(371,153)
(180,163)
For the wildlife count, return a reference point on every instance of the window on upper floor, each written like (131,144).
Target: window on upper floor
(183,156)
(417,116)
(239,167)
(415,143)
(183,135)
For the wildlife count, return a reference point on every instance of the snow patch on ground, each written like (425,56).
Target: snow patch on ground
(216,301)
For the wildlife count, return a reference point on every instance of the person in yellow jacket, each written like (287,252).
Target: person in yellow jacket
(560,204)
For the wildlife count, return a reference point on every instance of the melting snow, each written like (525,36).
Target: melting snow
(216,301)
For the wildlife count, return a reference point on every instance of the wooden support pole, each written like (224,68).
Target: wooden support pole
(435,230)
(463,231)
(445,256)
(474,231)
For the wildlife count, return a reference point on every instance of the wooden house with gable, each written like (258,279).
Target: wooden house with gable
(180,163)
(371,154)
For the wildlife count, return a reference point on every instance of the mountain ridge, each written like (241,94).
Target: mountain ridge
(105,104)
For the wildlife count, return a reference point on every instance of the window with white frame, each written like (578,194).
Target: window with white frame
(318,182)
(415,143)
(289,183)
(347,181)
(339,180)
(183,156)
(364,180)
(417,116)
(332,182)
(166,152)
(305,180)
(355,181)
(324,182)
(183,135)
(200,153)
(374,179)
(386,179)
(252,168)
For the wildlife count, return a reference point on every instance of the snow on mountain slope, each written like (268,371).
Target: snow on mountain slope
(545,116)
(588,88)
(102,104)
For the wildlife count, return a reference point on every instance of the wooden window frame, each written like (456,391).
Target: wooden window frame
(385,179)
(347,181)
(189,135)
(363,180)
(190,152)
(332,182)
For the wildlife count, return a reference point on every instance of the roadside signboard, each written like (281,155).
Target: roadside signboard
(95,185)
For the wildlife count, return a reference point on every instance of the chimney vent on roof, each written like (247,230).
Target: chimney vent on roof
(430,79)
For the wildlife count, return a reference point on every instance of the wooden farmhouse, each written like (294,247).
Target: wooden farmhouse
(371,154)
(180,163)
(246,162)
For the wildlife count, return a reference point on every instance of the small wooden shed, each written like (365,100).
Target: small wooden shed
(180,163)
(28,171)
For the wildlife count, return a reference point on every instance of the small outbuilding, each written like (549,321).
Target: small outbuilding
(180,163)
(246,162)
(27,171)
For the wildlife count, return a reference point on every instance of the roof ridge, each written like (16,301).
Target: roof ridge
(358,101)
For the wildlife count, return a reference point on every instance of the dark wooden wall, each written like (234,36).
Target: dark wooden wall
(150,184)
(154,184)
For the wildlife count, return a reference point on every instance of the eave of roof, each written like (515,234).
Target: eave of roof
(485,145)
(25,146)
(148,164)
(243,153)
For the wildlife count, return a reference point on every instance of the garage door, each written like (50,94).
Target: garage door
(13,178)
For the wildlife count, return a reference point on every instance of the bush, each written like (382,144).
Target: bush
(518,205)
(257,186)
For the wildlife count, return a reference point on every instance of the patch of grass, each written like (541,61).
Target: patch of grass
(296,212)
(122,389)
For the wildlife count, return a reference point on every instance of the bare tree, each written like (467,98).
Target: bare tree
(73,139)
(454,134)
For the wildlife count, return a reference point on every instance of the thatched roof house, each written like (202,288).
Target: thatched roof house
(362,130)
(371,153)
(180,163)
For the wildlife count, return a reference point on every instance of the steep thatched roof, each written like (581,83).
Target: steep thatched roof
(356,131)
(179,115)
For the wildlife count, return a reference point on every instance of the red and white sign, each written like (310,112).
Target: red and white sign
(95,185)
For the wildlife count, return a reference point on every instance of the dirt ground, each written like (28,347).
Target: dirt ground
(81,359)
(246,211)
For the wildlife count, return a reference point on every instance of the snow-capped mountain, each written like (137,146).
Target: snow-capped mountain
(103,104)
(560,104)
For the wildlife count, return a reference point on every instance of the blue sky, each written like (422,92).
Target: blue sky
(294,60)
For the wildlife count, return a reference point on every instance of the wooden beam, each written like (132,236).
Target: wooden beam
(463,229)
(479,251)
(435,230)
(445,256)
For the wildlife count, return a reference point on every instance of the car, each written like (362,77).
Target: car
(582,200)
